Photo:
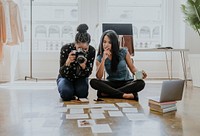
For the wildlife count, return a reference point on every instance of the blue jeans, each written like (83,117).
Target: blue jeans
(68,89)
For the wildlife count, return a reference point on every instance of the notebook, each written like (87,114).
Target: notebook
(172,90)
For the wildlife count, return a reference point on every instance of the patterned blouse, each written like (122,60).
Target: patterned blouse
(74,70)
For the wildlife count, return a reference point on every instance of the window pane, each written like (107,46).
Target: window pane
(145,16)
(53,24)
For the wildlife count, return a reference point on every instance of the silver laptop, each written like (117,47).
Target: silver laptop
(172,90)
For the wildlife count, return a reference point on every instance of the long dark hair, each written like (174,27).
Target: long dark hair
(82,36)
(114,48)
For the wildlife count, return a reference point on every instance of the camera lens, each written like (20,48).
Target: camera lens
(80,56)
(80,59)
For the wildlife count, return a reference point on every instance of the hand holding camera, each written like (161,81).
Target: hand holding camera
(83,65)
(71,58)
(79,56)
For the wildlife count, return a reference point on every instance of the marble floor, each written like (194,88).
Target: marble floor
(29,108)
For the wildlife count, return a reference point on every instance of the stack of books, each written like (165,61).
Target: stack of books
(162,107)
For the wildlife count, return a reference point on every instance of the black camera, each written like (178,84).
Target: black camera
(80,56)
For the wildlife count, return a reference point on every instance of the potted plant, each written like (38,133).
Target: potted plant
(191,10)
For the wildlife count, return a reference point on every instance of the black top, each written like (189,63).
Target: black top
(74,71)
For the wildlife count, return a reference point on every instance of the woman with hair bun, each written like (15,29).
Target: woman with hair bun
(76,64)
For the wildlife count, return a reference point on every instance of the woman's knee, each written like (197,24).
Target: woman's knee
(65,93)
(141,84)
(93,82)
(61,82)
(65,89)
(82,92)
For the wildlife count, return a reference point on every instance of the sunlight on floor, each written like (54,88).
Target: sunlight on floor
(42,84)
(33,85)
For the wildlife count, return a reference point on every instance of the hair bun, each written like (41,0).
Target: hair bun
(82,28)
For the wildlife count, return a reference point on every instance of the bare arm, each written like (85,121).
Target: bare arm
(100,65)
(130,63)
(100,68)
(132,67)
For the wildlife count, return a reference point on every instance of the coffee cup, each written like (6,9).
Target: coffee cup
(139,75)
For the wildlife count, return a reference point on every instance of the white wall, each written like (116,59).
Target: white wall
(44,65)
(192,40)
